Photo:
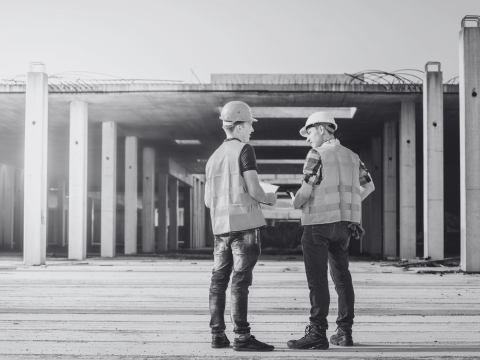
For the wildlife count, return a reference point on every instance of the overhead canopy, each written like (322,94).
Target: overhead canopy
(159,114)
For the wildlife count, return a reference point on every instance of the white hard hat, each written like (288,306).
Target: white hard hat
(236,111)
(320,117)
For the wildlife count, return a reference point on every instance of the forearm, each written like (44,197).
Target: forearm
(302,196)
(366,190)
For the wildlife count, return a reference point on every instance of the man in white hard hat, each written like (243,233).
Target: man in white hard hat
(233,194)
(334,185)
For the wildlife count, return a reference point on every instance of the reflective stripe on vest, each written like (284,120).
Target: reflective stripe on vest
(231,206)
(337,198)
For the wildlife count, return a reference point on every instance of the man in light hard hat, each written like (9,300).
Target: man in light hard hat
(233,194)
(334,185)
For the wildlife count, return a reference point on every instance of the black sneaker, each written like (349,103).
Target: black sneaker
(342,338)
(220,341)
(251,344)
(315,338)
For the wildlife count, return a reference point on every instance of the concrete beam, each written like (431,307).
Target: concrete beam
(78,162)
(390,189)
(376,240)
(173,212)
(470,146)
(179,172)
(131,194)
(290,112)
(408,208)
(433,203)
(36,150)
(109,189)
(148,208)
(297,143)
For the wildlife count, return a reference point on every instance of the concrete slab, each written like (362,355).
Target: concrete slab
(157,308)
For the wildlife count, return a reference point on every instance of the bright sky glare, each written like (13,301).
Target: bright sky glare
(164,39)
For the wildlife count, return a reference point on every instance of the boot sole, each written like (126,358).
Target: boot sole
(220,346)
(324,346)
(247,349)
(342,342)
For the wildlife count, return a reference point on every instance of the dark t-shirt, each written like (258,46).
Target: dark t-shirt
(247,158)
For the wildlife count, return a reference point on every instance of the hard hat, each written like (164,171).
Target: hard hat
(320,117)
(236,111)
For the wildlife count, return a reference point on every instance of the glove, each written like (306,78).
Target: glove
(356,231)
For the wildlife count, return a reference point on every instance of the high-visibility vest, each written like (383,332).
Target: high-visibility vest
(337,198)
(231,206)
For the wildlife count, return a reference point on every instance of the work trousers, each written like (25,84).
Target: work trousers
(238,252)
(325,244)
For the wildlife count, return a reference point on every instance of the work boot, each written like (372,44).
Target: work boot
(342,338)
(220,340)
(315,338)
(251,344)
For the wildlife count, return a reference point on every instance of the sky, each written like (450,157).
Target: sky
(164,39)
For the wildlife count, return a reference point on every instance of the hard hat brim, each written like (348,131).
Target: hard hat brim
(304,133)
(249,120)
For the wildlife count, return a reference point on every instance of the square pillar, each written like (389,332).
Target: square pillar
(187,216)
(366,158)
(35,166)
(162,210)
(60,225)
(8,206)
(390,189)
(2,201)
(433,212)
(109,189)
(18,216)
(173,214)
(408,198)
(77,189)
(131,194)
(376,201)
(148,208)
(470,145)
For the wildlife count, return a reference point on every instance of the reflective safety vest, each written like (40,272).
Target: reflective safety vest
(231,206)
(337,198)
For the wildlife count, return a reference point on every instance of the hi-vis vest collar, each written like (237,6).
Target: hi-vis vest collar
(337,198)
(231,206)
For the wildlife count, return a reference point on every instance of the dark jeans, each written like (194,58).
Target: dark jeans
(237,251)
(323,244)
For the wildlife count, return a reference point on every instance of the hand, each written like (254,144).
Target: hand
(272,198)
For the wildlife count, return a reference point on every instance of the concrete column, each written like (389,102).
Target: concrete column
(131,194)
(36,149)
(202,215)
(390,189)
(408,209)
(470,145)
(77,199)
(162,210)
(18,231)
(173,211)
(366,157)
(2,201)
(376,201)
(187,216)
(109,189)
(195,215)
(433,228)
(8,204)
(60,225)
(148,212)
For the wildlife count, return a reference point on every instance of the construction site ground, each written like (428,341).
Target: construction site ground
(156,307)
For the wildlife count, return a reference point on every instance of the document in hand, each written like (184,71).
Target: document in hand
(268,188)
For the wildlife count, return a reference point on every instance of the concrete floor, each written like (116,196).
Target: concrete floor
(157,308)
